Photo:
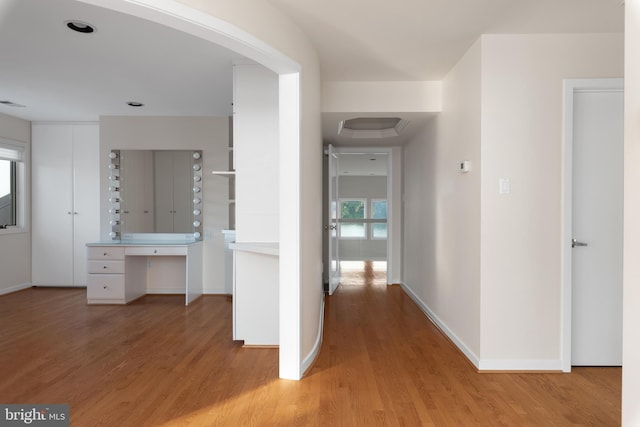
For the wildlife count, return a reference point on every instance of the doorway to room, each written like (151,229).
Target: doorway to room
(360,198)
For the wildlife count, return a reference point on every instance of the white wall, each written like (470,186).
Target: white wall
(209,134)
(442,209)
(521,232)
(363,187)
(15,262)
(363,97)
(631,291)
(485,265)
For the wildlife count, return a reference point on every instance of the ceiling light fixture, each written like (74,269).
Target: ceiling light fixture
(372,127)
(135,104)
(81,27)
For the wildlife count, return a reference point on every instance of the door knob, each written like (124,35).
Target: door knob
(575,243)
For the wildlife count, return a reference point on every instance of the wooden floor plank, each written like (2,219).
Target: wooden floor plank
(158,363)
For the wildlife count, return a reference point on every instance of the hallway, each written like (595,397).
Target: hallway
(387,364)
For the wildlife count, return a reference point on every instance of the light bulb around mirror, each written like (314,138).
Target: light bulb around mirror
(196,223)
(113,155)
(197,167)
(197,178)
(196,155)
(112,166)
(196,201)
(196,189)
(112,234)
(114,199)
(196,234)
(196,212)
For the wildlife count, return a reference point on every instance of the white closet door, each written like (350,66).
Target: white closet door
(86,182)
(52,205)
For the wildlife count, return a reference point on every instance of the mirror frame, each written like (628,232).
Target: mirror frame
(115,184)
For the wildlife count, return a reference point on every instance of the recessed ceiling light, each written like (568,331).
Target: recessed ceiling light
(135,104)
(80,27)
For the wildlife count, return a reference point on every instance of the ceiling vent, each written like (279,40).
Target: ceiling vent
(11,104)
(372,127)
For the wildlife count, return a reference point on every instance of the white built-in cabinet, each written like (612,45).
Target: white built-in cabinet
(256,292)
(65,205)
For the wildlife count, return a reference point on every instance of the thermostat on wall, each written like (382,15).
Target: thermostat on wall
(464,166)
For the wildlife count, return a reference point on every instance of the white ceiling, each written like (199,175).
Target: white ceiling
(409,40)
(60,75)
(362,164)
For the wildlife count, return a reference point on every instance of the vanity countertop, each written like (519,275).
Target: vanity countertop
(266,248)
(142,243)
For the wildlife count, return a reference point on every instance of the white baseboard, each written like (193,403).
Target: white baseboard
(215,292)
(15,288)
(167,291)
(442,326)
(307,361)
(520,365)
(485,364)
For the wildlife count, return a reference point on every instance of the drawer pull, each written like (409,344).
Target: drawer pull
(105,267)
(104,287)
(155,251)
(105,254)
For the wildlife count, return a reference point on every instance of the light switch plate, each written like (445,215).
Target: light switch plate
(505,186)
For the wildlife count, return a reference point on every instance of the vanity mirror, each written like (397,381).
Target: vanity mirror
(155,191)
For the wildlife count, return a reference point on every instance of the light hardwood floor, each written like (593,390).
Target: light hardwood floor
(158,363)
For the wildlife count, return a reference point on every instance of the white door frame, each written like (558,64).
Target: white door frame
(570,86)
(394,206)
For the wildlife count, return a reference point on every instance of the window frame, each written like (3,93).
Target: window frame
(372,224)
(21,183)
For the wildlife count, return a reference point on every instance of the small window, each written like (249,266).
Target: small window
(12,185)
(379,211)
(7,193)
(353,212)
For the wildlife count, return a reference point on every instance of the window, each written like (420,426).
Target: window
(379,212)
(7,193)
(353,210)
(12,185)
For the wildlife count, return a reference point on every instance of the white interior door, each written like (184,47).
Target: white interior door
(332,229)
(596,335)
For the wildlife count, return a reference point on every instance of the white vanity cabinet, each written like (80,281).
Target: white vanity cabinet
(106,277)
(117,271)
(65,197)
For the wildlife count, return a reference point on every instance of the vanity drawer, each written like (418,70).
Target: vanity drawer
(105,252)
(105,287)
(105,266)
(156,250)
